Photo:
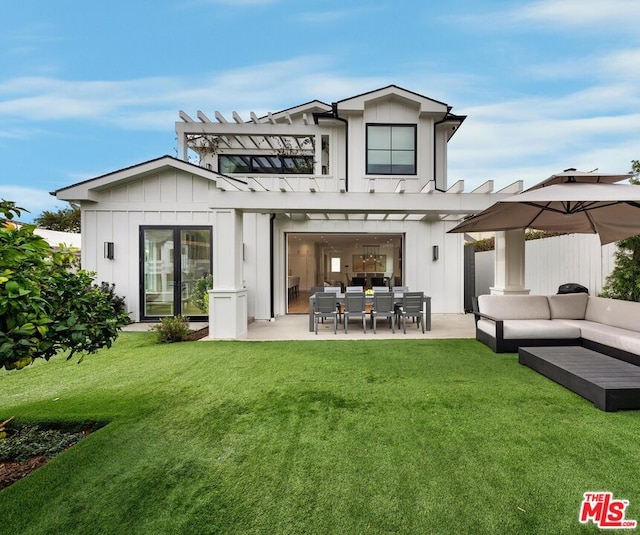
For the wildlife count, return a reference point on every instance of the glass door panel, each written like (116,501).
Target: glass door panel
(195,265)
(159,271)
(176,271)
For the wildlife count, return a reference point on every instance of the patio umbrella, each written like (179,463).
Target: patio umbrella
(569,176)
(610,210)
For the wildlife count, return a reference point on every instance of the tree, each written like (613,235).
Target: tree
(64,220)
(624,281)
(45,307)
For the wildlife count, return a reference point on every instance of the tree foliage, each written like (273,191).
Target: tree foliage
(64,220)
(44,306)
(624,281)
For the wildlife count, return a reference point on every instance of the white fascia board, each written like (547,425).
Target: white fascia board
(248,129)
(89,189)
(355,203)
(425,104)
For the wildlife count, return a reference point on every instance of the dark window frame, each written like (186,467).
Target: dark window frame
(177,263)
(391,150)
(282,169)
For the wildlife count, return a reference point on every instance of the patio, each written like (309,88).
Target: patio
(295,327)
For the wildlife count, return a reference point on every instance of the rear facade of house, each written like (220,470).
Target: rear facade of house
(349,193)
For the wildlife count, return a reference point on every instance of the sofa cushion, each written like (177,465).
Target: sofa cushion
(568,306)
(607,335)
(515,307)
(614,312)
(526,329)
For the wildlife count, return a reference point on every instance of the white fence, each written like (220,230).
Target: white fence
(550,262)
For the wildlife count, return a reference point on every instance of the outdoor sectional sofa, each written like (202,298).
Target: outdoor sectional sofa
(608,326)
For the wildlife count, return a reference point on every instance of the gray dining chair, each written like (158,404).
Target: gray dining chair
(380,289)
(325,308)
(335,290)
(383,307)
(412,307)
(355,305)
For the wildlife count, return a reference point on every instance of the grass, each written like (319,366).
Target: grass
(344,437)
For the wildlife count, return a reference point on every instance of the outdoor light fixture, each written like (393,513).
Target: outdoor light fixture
(436,252)
(108,250)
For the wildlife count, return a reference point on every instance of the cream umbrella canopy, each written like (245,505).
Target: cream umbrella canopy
(610,210)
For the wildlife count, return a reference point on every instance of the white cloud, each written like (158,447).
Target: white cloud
(607,15)
(153,103)
(31,199)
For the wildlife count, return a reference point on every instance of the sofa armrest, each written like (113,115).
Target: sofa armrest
(499,323)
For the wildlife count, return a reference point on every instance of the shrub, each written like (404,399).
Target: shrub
(199,295)
(46,307)
(172,329)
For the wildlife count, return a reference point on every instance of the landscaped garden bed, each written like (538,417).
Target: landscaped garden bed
(28,447)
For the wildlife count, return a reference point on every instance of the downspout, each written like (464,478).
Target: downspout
(271,262)
(334,110)
(435,152)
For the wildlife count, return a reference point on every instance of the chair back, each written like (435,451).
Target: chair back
(380,289)
(355,289)
(332,289)
(354,302)
(377,281)
(412,302)
(383,303)
(358,281)
(400,289)
(325,302)
(317,290)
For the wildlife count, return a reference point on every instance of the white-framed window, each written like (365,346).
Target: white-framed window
(391,149)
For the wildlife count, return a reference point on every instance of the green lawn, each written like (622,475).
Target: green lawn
(344,437)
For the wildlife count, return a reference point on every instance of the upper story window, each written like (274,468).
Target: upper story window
(391,149)
(265,164)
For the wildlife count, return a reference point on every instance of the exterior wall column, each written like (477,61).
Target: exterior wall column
(509,265)
(228,298)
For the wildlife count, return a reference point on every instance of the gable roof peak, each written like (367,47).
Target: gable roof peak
(393,90)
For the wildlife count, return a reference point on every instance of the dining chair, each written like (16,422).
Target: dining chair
(355,289)
(399,290)
(412,306)
(316,290)
(383,308)
(325,308)
(380,289)
(335,290)
(355,305)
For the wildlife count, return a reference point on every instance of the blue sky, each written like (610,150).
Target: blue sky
(87,88)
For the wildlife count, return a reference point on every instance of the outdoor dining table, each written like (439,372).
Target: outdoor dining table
(397,299)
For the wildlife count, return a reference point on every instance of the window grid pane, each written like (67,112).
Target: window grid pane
(391,150)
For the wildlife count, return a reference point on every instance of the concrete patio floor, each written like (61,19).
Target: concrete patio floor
(296,327)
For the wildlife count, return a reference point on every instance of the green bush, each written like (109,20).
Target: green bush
(172,329)
(46,307)
(199,293)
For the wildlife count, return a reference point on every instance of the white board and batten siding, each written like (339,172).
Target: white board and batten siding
(550,262)
(120,213)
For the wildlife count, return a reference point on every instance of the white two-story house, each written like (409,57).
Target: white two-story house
(349,193)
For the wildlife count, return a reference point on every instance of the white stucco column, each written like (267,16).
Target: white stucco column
(509,266)
(228,298)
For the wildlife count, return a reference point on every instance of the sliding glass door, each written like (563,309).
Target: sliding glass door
(175,262)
